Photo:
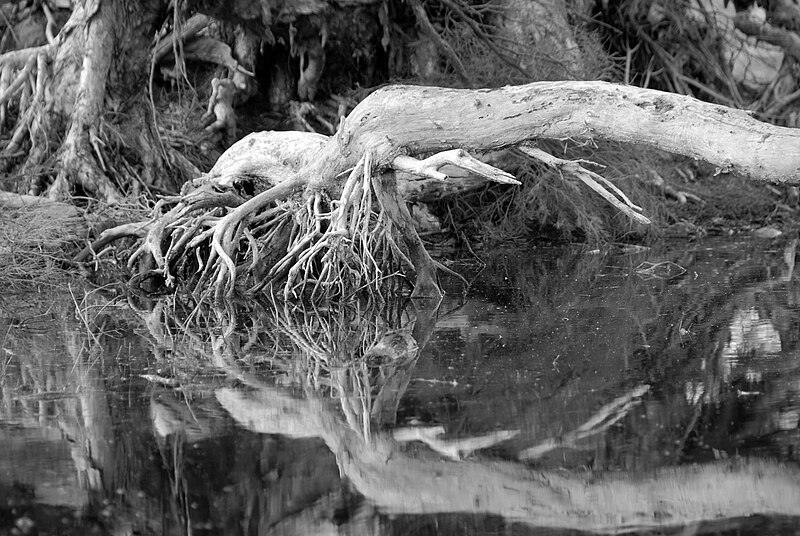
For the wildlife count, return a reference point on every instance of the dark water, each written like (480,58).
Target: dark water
(568,392)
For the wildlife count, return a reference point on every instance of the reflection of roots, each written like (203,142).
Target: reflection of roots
(356,353)
(349,355)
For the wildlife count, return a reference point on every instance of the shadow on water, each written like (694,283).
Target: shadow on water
(569,392)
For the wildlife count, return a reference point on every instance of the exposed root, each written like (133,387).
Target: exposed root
(228,233)
(215,242)
(344,249)
(137,229)
(311,244)
(30,72)
(321,239)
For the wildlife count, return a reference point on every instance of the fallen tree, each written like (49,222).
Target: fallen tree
(314,214)
(324,216)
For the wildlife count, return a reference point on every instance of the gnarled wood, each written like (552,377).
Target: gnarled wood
(425,119)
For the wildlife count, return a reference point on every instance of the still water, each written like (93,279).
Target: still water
(569,391)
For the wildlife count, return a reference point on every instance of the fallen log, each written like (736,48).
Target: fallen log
(323,216)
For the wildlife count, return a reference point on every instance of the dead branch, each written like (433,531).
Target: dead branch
(610,193)
(429,167)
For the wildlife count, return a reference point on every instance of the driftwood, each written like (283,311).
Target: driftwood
(323,215)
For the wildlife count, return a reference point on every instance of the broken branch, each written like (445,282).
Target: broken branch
(590,179)
(429,167)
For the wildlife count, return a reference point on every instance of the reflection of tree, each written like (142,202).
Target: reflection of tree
(321,388)
(55,379)
(82,411)
(717,344)
(354,355)
(332,356)
(742,341)
(401,481)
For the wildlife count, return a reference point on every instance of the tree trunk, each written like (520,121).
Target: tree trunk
(421,120)
(87,119)
(547,44)
(100,56)
(334,210)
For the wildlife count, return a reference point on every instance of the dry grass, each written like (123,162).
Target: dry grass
(33,248)
(37,242)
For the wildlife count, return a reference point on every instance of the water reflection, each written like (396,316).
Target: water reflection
(568,392)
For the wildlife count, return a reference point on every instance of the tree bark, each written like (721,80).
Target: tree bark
(545,39)
(79,164)
(416,120)
(419,119)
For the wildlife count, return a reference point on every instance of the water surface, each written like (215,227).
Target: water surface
(568,391)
